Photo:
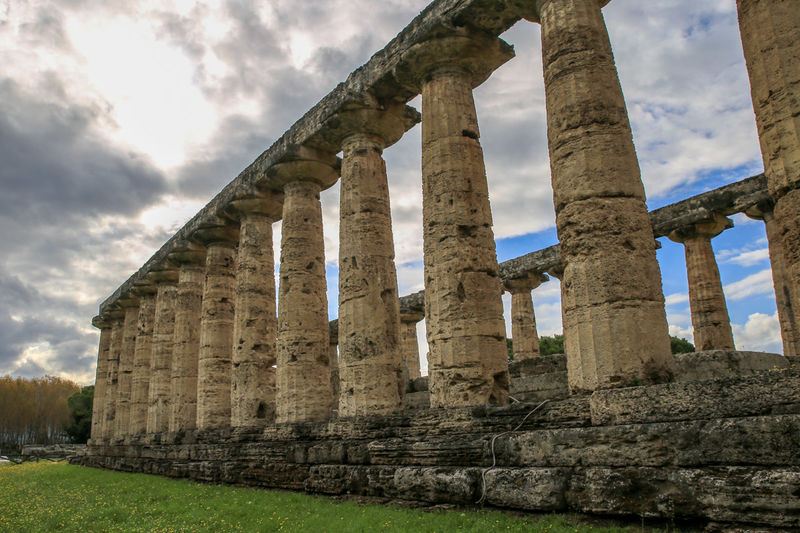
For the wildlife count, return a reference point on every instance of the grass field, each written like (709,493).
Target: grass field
(46,497)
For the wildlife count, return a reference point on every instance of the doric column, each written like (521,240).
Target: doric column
(771,37)
(523,319)
(130,305)
(615,326)
(787,316)
(303,375)
(370,364)
(255,326)
(712,326)
(468,362)
(142,353)
(409,346)
(117,318)
(101,376)
(159,398)
(190,259)
(333,360)
(216,326)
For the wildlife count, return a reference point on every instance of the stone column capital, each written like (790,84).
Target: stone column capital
(144,288)
(167,276)
(270,205)
(475,54)
(188,253)
(306,164)
(763,211)
(707,229)
(385,124)
(530,10)
(525,284)
(409,316)
(128,300)
(216,230)
(102,322)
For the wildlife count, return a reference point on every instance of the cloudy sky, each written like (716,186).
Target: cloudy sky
(119,120)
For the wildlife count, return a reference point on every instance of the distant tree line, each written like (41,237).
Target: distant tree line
(555,344)
(46,410)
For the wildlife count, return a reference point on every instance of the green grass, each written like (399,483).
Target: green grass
(46,497)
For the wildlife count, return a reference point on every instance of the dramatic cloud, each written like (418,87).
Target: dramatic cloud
(760,333)
(118,121)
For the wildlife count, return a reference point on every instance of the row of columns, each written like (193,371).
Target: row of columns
(200,345)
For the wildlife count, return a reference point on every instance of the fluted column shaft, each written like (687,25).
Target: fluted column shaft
(468,364)
(770,30)
(125,378)
(303,373)
(710,320)
(112,380)
(141,377)
(255,326)
(186,347)
(159,399)
(615,326)
(216,338)
(409,346)
(101,380)
(370,363)
(523,326)
(790,333)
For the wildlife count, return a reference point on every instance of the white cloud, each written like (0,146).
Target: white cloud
(752,285)
(677,298)
(760,333)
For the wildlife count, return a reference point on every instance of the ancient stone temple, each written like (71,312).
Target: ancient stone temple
(201,375)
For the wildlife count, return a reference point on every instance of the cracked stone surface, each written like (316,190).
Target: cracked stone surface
(710,320)
(112,379)
(523,319)
(122,414)
(160,399)
(370,361)
(303,374)
(101,376)
(216,338)
(255,326)
(615,326)
(790,330)
(468,362)
(769,31)
(183,375)
(140,378)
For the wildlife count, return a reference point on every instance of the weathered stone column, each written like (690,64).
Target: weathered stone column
(159,399)
(143,350)
(712,326)
(303,375)
(216,327)
(101,376)
(790,332)
(615,326)
(255,326)
(117,318)
(190,259)
(370,363)
(523,319)
(468,362)
(130,305)
(333,359)
(771,37)
(409,346)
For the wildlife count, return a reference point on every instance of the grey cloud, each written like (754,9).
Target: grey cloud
(52,163)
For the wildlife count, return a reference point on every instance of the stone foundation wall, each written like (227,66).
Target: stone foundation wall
(725,452)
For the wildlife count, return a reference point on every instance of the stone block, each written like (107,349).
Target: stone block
(532,489)
(714,364)
(694,400)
